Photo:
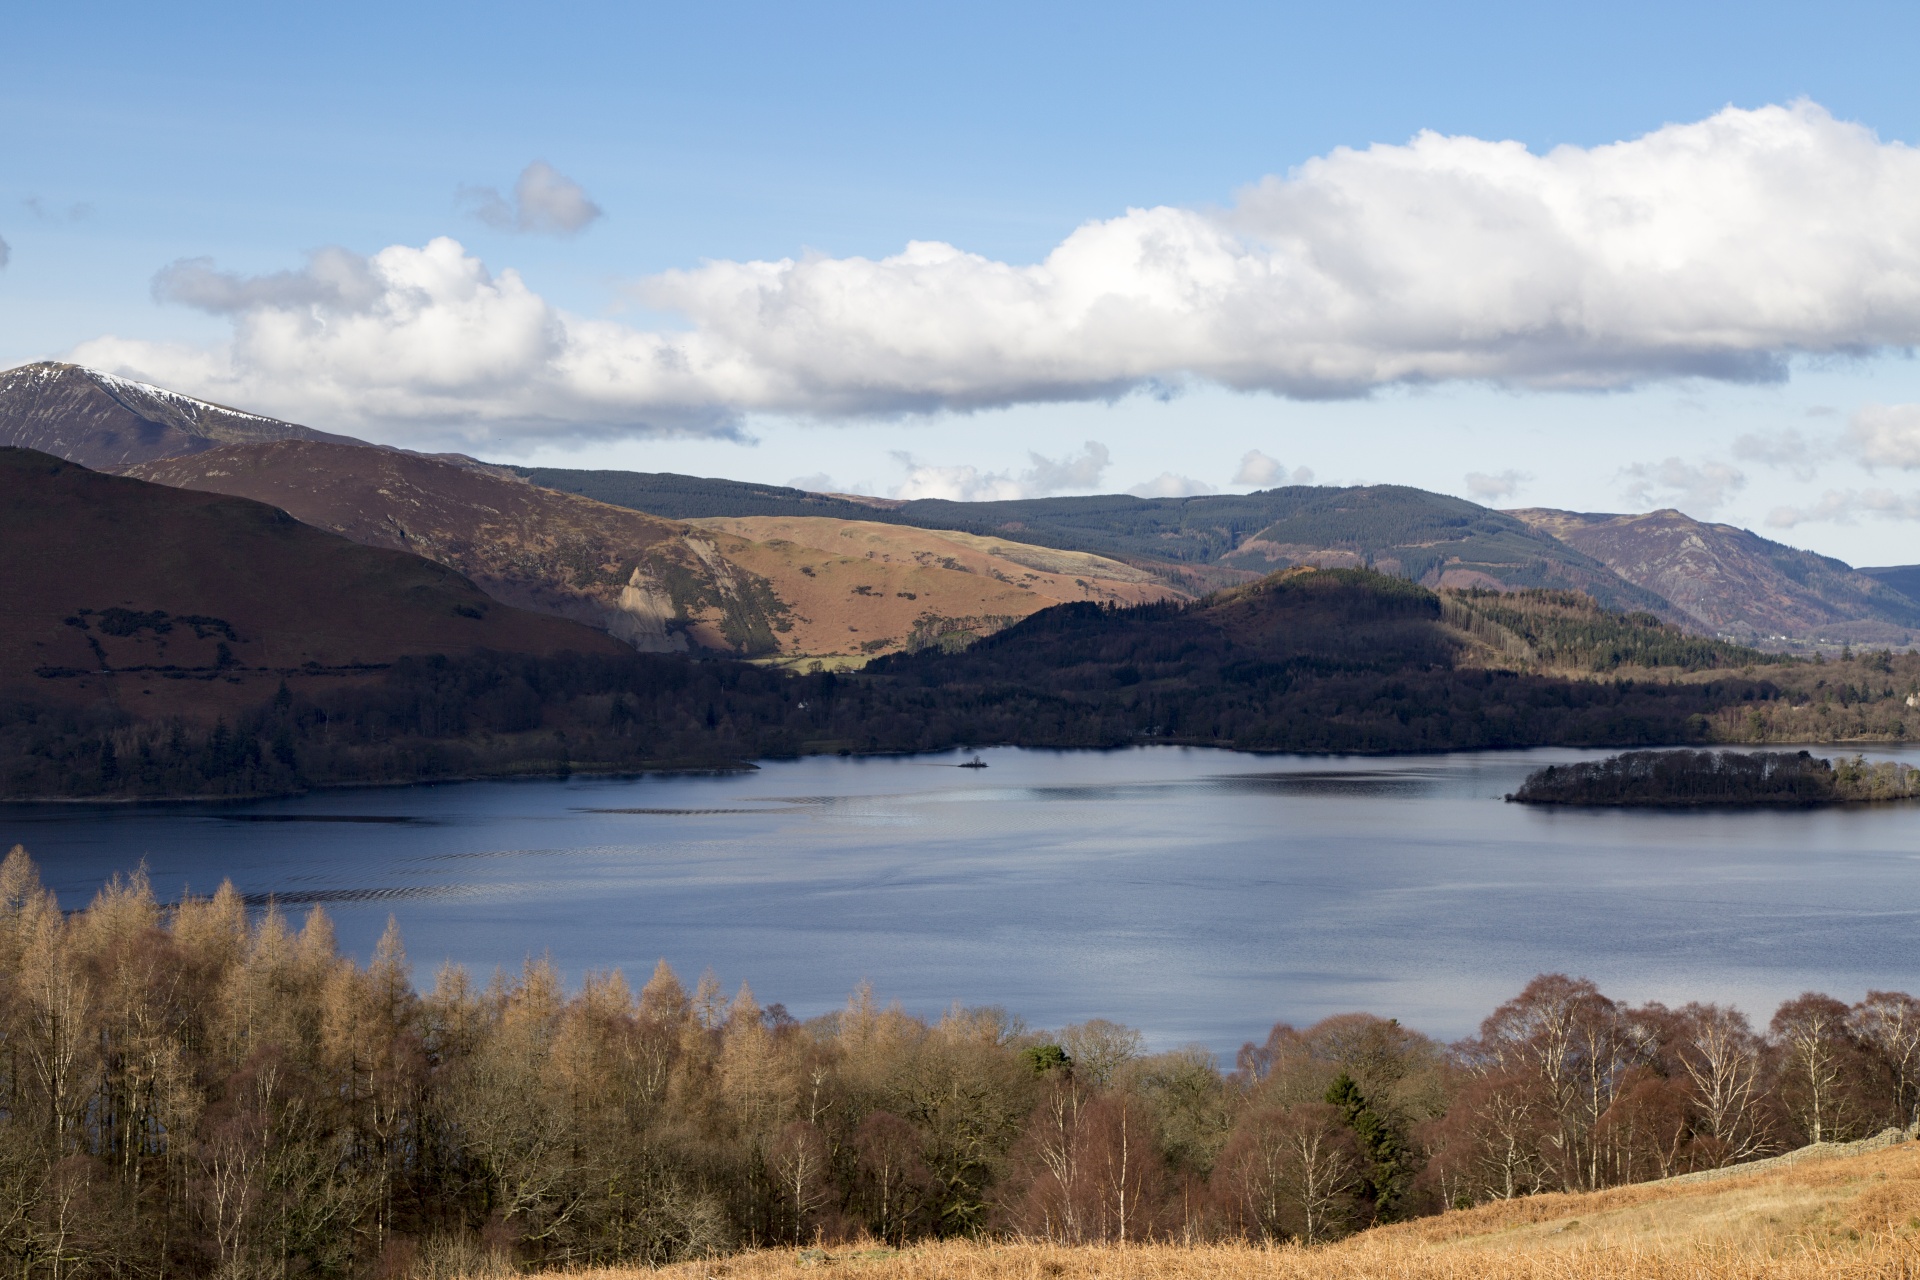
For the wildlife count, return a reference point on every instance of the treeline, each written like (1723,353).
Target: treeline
(1316,661)
(484,715)
(1678,779)
(1563,630)
(1872,694)
(1336,660)
(188,1091)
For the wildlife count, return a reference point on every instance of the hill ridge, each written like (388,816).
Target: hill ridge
(1734,582)
(1194,543)
(104,421)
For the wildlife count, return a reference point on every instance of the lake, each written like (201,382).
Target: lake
(1199,895)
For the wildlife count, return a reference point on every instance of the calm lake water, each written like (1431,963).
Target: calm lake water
(1199,895)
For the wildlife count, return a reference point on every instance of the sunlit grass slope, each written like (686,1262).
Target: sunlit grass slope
(1845,1215)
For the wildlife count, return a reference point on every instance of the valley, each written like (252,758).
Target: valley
(352,612)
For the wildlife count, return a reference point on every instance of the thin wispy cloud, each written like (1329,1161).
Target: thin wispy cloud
(1697,488)
(544,202)
(334,281)
(1846,506)
(1717,249)
(47,211)
(1483,486)
(1043,478)
(1886,435)
(1171,485)
(1787,450)
(6,253)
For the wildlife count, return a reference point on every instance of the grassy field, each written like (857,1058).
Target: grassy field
(858,589)
(1850,1215)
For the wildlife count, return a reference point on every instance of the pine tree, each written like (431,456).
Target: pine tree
(1381,1144)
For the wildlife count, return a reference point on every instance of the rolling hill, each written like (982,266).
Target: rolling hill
(854,589)
(1325,660)
(104,422)
(165,602)
(1193,543)
(1730,582)
(653,583)
(615,550)
(797,592)
(1904,578)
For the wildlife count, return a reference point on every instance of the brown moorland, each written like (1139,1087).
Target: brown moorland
(860,589)
(170,602)
(653,583)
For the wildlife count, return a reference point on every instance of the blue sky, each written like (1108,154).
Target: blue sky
(241,140)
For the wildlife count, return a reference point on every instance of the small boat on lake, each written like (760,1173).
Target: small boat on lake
(975,763)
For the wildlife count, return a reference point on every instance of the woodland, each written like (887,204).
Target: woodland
(197,1090)
(1317,661)
(1681,779)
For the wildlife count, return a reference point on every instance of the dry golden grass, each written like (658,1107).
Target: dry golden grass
(856,588)
(1847,1216)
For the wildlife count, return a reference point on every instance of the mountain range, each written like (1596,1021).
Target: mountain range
(267,615)
(1730,582)
(669,562)
(1194,544)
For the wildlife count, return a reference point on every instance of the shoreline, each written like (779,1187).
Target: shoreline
(753,765)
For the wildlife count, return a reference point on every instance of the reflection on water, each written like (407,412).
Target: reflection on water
(1198,894)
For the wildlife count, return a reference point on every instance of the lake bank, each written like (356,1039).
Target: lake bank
(1199,894)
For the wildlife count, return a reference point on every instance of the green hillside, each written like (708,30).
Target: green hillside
(1403,531)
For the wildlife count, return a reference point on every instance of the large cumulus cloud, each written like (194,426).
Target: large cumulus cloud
(1720,248)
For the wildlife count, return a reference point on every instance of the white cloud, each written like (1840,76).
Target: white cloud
(545,201)
(1262,471)
(1075,471)
(1886,435)
(969,484)
(1697,488)
(1837,506)
(423,336)
(1169,485)
(1490,488)
(818,482)
(1786,449)
(1720,248)
(1257,469)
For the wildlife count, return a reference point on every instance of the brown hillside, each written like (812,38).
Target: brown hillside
(1843,1215)
(103,422)
(1734,583)
(858,589)
(651,582)
(249,596)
